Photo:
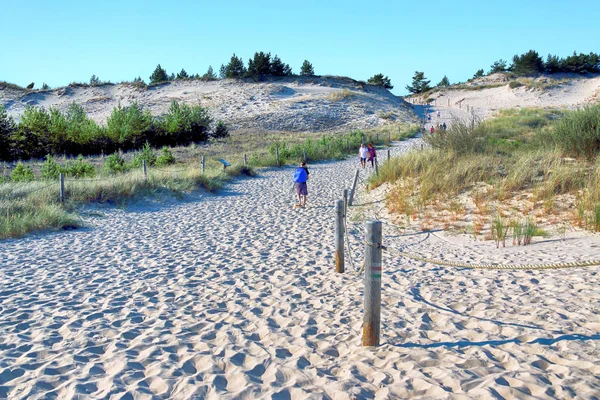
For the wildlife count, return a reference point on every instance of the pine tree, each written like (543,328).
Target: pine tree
(527,63)
(94,81)
(478,74)
(209,75)
(498,66)
(159,75)
(380,80)
(444,82)
(419,83)
(182,75)
(307,69)
(235,69)
(222,72)
(259,65)
(278,68)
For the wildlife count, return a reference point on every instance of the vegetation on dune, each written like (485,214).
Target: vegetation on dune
(542,152)
(28,199)
(41,132)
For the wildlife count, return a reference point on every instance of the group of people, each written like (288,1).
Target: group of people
(440,128)
(301,174)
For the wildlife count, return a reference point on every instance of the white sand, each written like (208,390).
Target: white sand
(235,296)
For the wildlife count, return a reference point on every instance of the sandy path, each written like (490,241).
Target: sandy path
(234,296)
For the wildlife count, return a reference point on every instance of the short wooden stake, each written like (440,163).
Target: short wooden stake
(389,155)
(145,169)
(277,156)
(61,181)
(202,165)
(353,187)
(376,167)
(372,317)
(448,102)
(339,236)
(245,161)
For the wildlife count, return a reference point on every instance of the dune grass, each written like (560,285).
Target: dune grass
(31,206)
(544,152)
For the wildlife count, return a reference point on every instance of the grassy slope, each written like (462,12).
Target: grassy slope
(523,161)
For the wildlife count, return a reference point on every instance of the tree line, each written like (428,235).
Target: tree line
(529,63)
(40,132)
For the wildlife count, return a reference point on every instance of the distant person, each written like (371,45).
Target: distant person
(363,152)
(300,178)
(372,154)
(444,127)
(438,113)
(432,129)
(428,117)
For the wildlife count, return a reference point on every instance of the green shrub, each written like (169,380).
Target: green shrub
(51,169)
(514,84)
(165,157)
(146,154)
(221,130)
(79,168)
(22,173)
(115,164)
(578,133)
(461,137)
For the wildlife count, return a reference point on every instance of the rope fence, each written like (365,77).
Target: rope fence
(374,249)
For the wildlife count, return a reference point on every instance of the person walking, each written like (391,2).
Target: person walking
(362,154)
(432,129)
(372,154)
(300,178)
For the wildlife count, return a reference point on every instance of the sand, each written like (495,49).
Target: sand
(235,296)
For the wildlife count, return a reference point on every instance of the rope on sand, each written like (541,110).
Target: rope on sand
(572,264)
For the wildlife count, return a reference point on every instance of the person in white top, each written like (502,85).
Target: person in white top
(362,153)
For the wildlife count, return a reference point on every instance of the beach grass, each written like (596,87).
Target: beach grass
(546,153)
(32,206)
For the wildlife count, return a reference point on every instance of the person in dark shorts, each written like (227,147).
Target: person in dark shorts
(300,177)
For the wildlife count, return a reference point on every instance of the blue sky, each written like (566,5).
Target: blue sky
(61,41)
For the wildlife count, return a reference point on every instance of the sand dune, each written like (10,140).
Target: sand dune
(235,296)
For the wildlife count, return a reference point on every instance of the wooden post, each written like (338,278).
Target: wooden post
(202,165)
(304,151)
(346,203)
(377,138)
(277,156)
(347,145)
(145,169)
(353,187)
(448,102)
(389,155)
(376,167)
(390,135)
(339,236)
(61,181)
(372,318)
(245,160)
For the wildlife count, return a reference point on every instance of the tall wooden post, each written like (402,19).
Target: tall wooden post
(277,156)
(202,165)
(353,187)
(245,160)
(61,181)
(372,317)
(145,169)
(389,155)
(339,236)
(345,203)
(376,167)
